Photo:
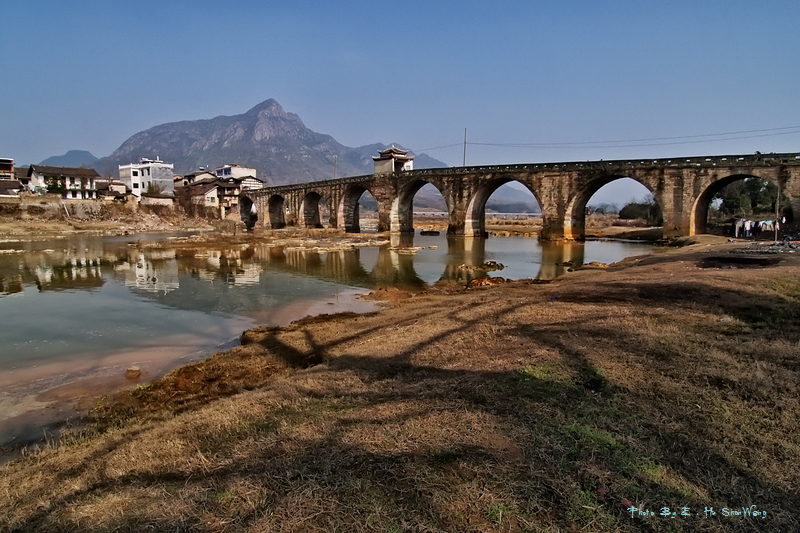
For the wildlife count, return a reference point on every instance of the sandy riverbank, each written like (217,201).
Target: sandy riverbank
(668,380)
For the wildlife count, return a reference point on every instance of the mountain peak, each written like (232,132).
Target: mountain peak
(73,158)
(267,108)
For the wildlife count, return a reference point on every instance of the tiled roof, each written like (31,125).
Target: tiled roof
(201,189)
(67,172)
(10,186)
(20,173)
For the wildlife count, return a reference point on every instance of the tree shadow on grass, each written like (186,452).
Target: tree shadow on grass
(587,444)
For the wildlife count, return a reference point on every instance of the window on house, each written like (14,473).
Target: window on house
(135,185)
(135,172)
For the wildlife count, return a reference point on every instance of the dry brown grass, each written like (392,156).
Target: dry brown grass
(517,408)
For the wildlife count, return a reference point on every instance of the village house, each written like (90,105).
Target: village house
(194,177)
(6,168)
(21,175)
(222,193)
(205,194)
(10,187)
(228,191)
(148,176)
(248,176)
(111,189)
(71,182)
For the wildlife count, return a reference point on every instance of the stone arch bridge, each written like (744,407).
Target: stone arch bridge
(682,186)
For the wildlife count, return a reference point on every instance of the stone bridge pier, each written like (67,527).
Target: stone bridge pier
(683,188)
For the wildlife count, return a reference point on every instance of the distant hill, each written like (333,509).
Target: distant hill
(505,199)
(276,143)
(73,158)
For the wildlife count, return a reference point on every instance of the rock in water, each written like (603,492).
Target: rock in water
(133,372)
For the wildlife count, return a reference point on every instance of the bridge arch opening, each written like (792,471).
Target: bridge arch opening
(739,197)
(608,199)
(422,199)
(504,199)
(276,211)
(248,212)
(314,211)
(358,211)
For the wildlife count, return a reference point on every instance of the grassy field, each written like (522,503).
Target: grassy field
(666,382)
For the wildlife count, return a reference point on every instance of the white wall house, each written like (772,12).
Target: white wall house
(138,176)
(206,194)
(73,183)
(248,176)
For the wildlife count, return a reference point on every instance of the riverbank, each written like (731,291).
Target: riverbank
(664,381)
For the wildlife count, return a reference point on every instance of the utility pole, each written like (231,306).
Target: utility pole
(464,163)
(777,209)
(334,166)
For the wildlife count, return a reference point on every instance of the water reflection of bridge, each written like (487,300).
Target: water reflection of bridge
(394,264)
(83,266)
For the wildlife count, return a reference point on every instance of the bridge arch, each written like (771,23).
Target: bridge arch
(698,221)
(310,210)
(276,211)
(475,215)
(402,212)
(575,216)
(348,210)
(248,212)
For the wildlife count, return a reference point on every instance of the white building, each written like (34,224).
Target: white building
(148,175)
(247,175)
(71,182)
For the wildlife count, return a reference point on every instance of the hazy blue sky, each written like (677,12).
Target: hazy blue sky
(569,76)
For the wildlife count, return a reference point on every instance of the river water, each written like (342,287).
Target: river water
(77,312)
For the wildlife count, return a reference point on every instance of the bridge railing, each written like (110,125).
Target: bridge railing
(749,160)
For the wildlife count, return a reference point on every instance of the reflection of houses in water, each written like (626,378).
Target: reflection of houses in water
(234,267)
(11,285)
(78,265)
(249,274)
(75,273)
(153,271)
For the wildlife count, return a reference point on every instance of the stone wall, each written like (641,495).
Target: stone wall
(164,201)
(52,206)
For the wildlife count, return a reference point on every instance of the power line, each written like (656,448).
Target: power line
(778,131)
(632,144)
(439,147)
(652,141)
